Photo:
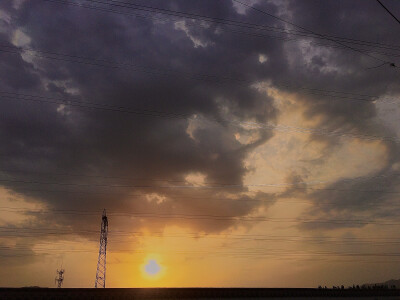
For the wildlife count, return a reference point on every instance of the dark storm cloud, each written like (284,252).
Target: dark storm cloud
(45,140)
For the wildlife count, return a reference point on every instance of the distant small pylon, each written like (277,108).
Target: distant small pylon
(101,263)
(60,277)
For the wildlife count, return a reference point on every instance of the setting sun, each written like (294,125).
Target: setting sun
(152,268)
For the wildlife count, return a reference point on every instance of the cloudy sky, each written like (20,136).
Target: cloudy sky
(250,143)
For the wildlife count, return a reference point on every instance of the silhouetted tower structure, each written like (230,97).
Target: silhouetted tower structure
(101,263)
(60,277)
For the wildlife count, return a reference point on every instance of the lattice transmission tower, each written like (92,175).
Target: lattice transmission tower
(60,277)
(101,263)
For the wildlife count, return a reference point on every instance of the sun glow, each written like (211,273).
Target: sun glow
(152,268)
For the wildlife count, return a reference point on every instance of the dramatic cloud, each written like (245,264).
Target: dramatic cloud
(195,124)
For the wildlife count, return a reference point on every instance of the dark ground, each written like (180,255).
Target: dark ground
(194,293)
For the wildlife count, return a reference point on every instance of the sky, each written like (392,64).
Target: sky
(232,143)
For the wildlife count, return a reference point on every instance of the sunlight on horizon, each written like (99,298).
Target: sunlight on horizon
(152,269)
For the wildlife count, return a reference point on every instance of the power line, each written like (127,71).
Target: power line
(153,113)
(42,246)
(168,72)
(256,237)
(119,237)
(211,19)
(317,34)
(181,14)
(246,252)
(286,258)
(292,186)
(224,29)
(256,251)
(172,196)
(183,216)
(143,185)
(374,203)
(313,182)
(390,13)
(359,42)
(222,21)
(376,67)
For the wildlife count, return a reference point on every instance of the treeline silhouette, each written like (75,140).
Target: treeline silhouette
(362,287)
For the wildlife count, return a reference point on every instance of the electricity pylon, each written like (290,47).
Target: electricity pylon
(101,263)
(60,277)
